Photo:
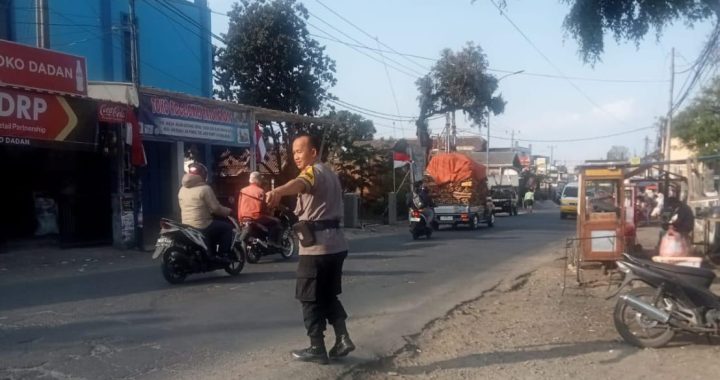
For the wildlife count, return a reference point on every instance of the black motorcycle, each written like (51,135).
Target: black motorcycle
(256,242)
(185,250)
(673,298)
(421,224)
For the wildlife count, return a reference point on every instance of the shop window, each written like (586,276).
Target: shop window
(5,19)
(602,200)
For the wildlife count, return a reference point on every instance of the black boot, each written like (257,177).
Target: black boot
(343,346)
(313,354)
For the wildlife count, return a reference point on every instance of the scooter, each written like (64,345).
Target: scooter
(420,223)
(185,250)
(256,242)
(671,299)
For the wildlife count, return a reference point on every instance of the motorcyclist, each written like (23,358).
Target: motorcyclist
(252,206)
(198,205)
(422,201)
(682,219)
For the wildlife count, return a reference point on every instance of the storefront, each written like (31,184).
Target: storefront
(179,129)
(56,183)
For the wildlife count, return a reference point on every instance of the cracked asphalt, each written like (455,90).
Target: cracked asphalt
(112,316)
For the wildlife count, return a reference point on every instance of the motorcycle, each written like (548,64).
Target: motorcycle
(420,223)
(673,299)
(255,237)
(185,250)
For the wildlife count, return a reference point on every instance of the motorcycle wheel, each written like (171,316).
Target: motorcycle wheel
(236,267)
(637,329)
(252,255)
(289,243)
(170,270)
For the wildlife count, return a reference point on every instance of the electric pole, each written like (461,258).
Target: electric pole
(647,144)
(453,137)
(552,154)
(134,70)
(668,127)
(447,132)
(41,23)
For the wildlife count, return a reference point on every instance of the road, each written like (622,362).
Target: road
(123,320)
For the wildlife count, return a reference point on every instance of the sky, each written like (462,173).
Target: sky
(540,110)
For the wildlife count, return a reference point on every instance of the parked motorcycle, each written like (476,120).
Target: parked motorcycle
(256,242)
(673,298)
(420,223)
(185,250)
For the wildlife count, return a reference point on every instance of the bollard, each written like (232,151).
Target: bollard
(392,208)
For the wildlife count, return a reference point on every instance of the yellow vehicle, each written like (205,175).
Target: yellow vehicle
(569,200)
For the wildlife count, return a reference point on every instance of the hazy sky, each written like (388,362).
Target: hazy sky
(538,108)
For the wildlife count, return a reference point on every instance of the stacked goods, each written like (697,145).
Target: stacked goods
(455,179)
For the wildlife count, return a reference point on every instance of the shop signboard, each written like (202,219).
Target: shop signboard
(112,113)
(42,69)
(28,118)
(184,119)
(541,165)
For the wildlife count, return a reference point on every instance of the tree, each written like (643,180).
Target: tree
(698,125)
(631,20)
(457,82)
(271,61)
(618,153)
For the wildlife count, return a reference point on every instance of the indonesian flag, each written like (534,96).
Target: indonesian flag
(260,149)
(134,139)
(400,159)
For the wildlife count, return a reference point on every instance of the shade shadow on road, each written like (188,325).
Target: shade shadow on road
(547,352)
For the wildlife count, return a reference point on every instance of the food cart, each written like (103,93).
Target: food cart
(601,222)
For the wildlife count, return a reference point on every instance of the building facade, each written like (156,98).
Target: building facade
(174,40)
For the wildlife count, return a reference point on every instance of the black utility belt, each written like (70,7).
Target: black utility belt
(305,230)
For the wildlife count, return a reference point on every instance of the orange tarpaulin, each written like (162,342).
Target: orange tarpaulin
(454,167)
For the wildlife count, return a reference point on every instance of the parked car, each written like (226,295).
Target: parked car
(505,199)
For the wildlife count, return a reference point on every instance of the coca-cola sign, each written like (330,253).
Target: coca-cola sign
(112,113)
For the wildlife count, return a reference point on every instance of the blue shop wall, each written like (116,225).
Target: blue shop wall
(175,50)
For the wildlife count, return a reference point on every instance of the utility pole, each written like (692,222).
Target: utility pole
(134,70)
(552,154)
(41,23)
(453,137)
(487,144)
(447,132)
(668,127)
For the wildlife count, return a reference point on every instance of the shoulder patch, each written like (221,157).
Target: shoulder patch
(308,174)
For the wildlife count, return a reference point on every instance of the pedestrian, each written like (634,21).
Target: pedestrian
(529,200)
(323,250)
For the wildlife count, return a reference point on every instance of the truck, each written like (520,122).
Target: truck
(458,186)
(505,199)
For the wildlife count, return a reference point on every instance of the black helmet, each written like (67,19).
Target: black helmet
(198,169)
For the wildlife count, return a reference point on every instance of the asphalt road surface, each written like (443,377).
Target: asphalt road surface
(122,320)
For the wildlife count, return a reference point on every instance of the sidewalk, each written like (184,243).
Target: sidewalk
(525,329)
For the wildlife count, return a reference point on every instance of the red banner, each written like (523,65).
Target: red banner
(27,116)
(42,69)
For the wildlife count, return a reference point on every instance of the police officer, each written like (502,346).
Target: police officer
(323,250)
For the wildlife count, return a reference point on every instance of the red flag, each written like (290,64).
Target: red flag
(400,159)
(134,138)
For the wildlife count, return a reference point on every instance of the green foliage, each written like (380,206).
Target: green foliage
(698,125)
(458,82)
(630,20)
(618,153)
(270,59)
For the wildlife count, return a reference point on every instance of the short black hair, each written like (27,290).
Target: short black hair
(313,140)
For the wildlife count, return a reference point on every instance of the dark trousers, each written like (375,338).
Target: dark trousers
(272,225)
(319,282)
(219,232)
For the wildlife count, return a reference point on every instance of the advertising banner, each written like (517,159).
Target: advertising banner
(42,69)
(28,118)
(182,119)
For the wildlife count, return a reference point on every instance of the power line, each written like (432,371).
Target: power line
(366,33)
(550,62)
(368,55)
(472,132)
(410,69)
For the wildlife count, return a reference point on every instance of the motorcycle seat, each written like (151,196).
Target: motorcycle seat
(706,274)
(172,222)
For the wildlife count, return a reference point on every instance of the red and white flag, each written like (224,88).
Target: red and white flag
(134,139)
(260,150)
(400,159)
